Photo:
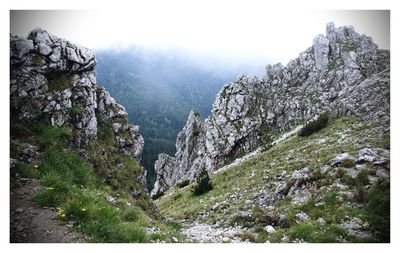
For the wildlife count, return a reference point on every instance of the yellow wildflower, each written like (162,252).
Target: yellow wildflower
(36,166)
(49,188)
(61,213)
(83,209)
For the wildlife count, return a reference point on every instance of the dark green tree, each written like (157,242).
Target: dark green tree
(203,183)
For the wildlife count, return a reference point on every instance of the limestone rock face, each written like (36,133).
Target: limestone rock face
(343,73)
(55,81)
(321,51)
(190,146)
(165,168)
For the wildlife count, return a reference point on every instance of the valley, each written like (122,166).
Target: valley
(299,155)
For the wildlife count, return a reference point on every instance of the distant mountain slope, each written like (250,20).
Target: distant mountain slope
(158,90)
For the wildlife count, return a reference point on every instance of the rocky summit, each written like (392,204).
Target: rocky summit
(54,81)
(343,73)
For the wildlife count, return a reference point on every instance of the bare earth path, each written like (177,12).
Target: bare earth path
(29,223)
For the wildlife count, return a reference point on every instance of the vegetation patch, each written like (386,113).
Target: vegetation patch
(362,178)
(76,187)
(60,81)
(378,210)
(104,130)
(183,183)
(76,111)
(315,125)
(203,183)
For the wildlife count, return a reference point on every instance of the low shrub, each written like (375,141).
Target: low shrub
(128,233)
(203,183)
(359,194)
(378,210)
(130,214)
(315,125)
(245,235)
(304,231)
(362,178)
(183,183)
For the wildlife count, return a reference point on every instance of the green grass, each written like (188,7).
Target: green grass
(77,188)
(104,130)
(345,134)
(60,81)
(24,170)
(378,210)
(130,214)
(76,111)
(362,178)
(313,232)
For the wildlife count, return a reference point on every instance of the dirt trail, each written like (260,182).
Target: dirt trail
(30,224)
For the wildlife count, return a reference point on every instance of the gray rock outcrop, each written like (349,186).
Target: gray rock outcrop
(55,81)
(343,73)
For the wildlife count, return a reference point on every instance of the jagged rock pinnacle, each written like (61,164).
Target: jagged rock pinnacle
(343,73)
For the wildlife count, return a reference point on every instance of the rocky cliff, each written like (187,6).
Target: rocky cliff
(343,73)
(55,81)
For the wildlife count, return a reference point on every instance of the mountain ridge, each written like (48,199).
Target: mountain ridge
(340,74)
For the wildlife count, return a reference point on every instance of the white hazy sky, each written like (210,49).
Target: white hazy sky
(249,34)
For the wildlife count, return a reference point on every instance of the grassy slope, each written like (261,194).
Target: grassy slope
(243,182)
(78,189)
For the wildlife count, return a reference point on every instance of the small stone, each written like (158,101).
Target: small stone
(20,228)
(226,239)
(174,239)
(345,160)
(19,210)
(269,229)
(302,216)
(321,221)
(214,207)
